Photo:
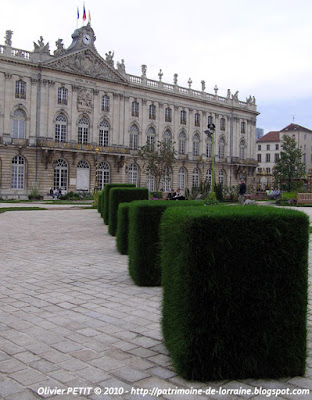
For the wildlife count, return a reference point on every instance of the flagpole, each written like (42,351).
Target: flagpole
(77,18)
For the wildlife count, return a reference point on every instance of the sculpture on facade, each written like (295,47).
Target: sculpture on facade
(121,66)
(144,68)
(175,79)
(109,58)
(203,83)
(160,74)
(41,47)
(59,47)
(8,37)
(84,98)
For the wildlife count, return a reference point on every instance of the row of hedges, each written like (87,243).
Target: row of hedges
(234,283)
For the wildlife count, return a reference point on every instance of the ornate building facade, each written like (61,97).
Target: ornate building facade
(75,120)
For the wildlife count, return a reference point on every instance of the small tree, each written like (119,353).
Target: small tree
(158,162)
(289,167)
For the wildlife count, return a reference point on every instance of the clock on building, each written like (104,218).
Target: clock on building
(86,39)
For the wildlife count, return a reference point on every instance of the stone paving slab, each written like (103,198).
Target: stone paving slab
(71,317)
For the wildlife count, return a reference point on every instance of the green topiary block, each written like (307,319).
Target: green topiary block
(119,195)
(105,198)
(144,221)
(235,291)
(122,228)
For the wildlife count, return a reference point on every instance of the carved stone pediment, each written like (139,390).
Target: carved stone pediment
(86,63)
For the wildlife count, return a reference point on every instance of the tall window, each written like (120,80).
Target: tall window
(151,138)
(197,119)
(222,124)
(152,112)
(221,148)
(183,117)
(133,174)
(209,177)
(60,174)
(18,173)
(195,178)
(60,128)
(182,143)
(196,145)
(259,157)
(243,127)
(268,157)
(62,95)
(18,125)
(168,114)
(166,183)
(167,136)
(276,157)
(83,130)
(150,182)
(133,139)
(135,109)
(104,134)
(221,177)
(209,148)
(20,89)
(242,150)
(181,178)
(105,103)
(210,120)
(103,174)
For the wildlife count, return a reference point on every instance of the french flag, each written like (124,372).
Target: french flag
(84,17)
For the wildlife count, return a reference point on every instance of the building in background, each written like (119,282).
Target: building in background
(269,148)
(259,133)
(75,120)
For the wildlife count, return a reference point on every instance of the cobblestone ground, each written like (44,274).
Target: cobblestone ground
(70,317)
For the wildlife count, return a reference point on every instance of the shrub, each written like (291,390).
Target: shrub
(122,228)
(105,199)
(143,249)
(119,195)
(235,291)
(99,204)
(70,196)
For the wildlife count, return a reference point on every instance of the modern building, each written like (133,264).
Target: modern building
(269,148)
(259,133)
(75,120)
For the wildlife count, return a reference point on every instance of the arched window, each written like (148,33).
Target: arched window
(105,103)
(151,134)
(135,109)
(167,136)
(104,134)
(197,119)
(62,95)
(60,128)
(133,139)
(182,143)
(181,178)
(18,125)
(83,164)
(166,183)
(83,130)
(20,89)
(196,145)
(183,117)
(209,177)
(222,124)
(221,177)
(18,173)
(83,176)
(133,174)
(221,148)
(152,112)
(195,178)
(60,174)
(168,114)
(150,182)
(103,174)
(209,148)
(242,150)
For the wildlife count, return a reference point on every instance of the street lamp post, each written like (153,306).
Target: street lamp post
(97,150)
(210,133)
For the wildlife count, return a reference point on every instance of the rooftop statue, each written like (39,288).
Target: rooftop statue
(41,47)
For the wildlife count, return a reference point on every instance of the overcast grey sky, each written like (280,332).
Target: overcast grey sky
(262,49)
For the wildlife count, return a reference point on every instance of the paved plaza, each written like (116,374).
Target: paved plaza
(72,319)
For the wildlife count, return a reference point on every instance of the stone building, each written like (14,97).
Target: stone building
(269,148)
(75,120)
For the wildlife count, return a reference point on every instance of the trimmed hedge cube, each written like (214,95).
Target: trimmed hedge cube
(143,249)
(105,198)
(122,228)
(119,195)
(100,201)
(235,291)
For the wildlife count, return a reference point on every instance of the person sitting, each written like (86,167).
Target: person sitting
(179,195)
(171,195)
